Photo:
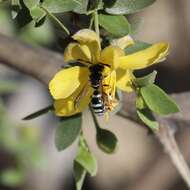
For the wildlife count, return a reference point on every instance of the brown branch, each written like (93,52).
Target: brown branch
(166,137)
(160,170)
(43,64)
(161,174)
(37,62)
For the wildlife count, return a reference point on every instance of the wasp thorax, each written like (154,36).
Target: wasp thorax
(96,75)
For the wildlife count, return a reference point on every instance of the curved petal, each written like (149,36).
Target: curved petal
(91,39)
(66,81)
(72,105)
(110,56)
(108,90)
(123,42)
(109,84)
(124,80)
(75,51)
(142,59)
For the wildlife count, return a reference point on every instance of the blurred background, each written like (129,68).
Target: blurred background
(28,157)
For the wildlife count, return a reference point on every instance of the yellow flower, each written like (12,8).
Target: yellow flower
(139,60)
(71,88)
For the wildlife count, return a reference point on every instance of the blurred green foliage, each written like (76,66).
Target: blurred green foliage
(18,140)
(42,35)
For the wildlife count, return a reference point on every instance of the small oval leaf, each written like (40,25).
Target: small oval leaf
(60,6)
(31,3)
(116,25)
(128,6)
(109,3)
(87,160)
(37,13)
(146,80)
(79,174)
(140,103)
(147,118)
(106,141)
(81,8)
(158,101)
(67,132)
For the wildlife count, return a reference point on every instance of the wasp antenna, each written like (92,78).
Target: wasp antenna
(105,64)
(82,61)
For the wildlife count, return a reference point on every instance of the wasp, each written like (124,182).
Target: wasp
(103,97)
(96,77)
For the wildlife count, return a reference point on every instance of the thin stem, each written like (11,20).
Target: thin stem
(94,118)
(167,139)
(91,22)
(56,20)
(96,22)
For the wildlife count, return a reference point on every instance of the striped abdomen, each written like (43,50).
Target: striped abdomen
(97,103)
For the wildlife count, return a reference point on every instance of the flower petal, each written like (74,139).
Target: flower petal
(75,51)
(124,80)
(123,42)
(110,56)
(70,106)
(108,89)
(91,39)
(142,59)
(66,81)
(109,84)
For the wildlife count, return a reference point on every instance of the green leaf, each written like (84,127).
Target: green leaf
(31,3)
(68,131)
(140,104)
(43,34)
(138,46)
(128,6)
(15,2)
(158,101)
(106,141)
(146,117)
(109,3)
(23,17)
(38,113)
(12,177)
(87,160)
(95,5)
(37,13)
(146,80)
(60,6)
(15,7)
(81,8)
(79,174)
(116,25)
